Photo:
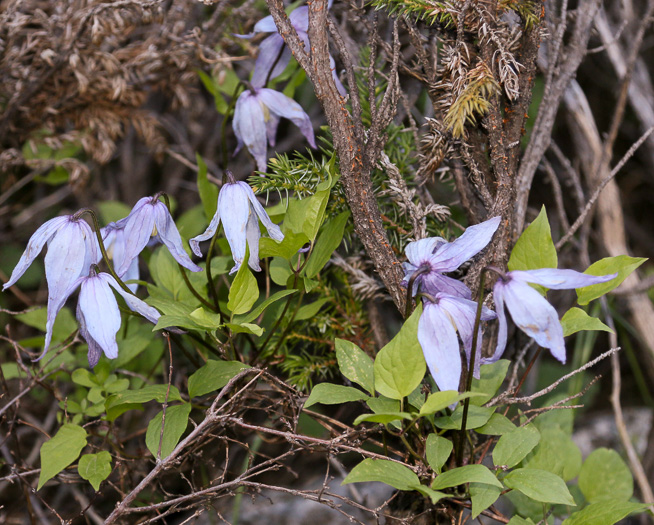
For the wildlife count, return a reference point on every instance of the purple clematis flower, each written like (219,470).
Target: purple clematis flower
(72,248)
(98,314)
(435,256)
(256,118)
(113,236)
(274,54)
(238,208)
(437,328)
(150,217)
(530,310)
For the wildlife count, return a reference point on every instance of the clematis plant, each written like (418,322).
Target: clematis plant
(531,312)
(150,217)
(256,118)
(238,208)
(442,317)
(113,237)
(429,258)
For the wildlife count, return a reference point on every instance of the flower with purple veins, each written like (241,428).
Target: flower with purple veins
(150,217)
(432,257)
(238,208)
(113,237)
(256,118)
(441,319)
(98,314)
(530,310)
(72,248)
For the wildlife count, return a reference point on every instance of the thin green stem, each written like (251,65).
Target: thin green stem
(212,288)
(195,293)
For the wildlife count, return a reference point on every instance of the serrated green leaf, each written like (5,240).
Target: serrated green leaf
(330,394)
(213,376)
(355,364)
(400,366)
(482,497)
(329,240)
(95,468)
(477,417)
(575,320)
(437,451)
(244,291)
(605,512)
(534,249)
(513,447)
(60,451)
(539,485)
(466,474)
(622,264)
(389,472)
(174,426)
(605,476)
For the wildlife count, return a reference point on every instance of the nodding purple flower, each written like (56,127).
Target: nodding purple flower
(434,256)
(238,208)
(439,323)
(256,118)
(150,217)
(98,314)
(72,248)
(530,310)
(113,237)
(274,54)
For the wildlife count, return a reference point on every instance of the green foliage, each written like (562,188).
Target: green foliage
(491,377)
(60,451)
(244,291)
(329,394)
(623,265)
(535,248)
(466,474)
(576,320)
(213,376)
(539,485)
(174,426)
(605,512)
(437,451)
(355,364)
(605,476)
(477,417)
(513,446)
(95,468)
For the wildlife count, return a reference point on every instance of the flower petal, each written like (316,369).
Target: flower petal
(94,351)
(34,246)
(272,53)
(252,235)
(283,106)
(300,18)
(452,255)
(194,243)
(134,303)
(434,282)
(265,25)
(273,230)
(502,332)
(54,305)
(234,208)
(440,346)
(171,238)
(250,127)
(419,252)
(559,279)
(101,314)
(337,81)
(139,226)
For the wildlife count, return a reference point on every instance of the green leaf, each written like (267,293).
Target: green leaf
(466,474)
(437,451)
(441,400)
(310,310)
(117,404)
(482,496)
(513,447)
(605,512)
(112,211)
(64,326)
(381,405)
(605,476)
(60,451)
(575,320)
(245,328)
(167,275)
(539,485)
(95,468)
(205,318)
(329,240)
(287,249)
(306,215)
(213,376)
(174,426)
(517,520)
(381,417)
(497,425)
(355,364)
(400,365)
(256,312)
(534,249)
(330,394)
(83,377)
(622,264)
(244,291)
(279,270)
(477,417)
(389,472)
(490,380)
(556,453)
(208,191)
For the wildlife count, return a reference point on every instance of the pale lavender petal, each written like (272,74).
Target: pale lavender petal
(337,81)
(535,316)
(502,332)
(434,282)
(559,279)
(265,25)
(419,252)
(94,351)
(93,255)
(252,235)
(36,243)
(139,227)
(54,306)
(194,243)
(271,128)
(132,274)
(440,346)
(250,127)
(171,238)
(452,255)
(273,230)
(234,206)
(283,106)
(271,53)
(101,314)
(134,303)
(300,18)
